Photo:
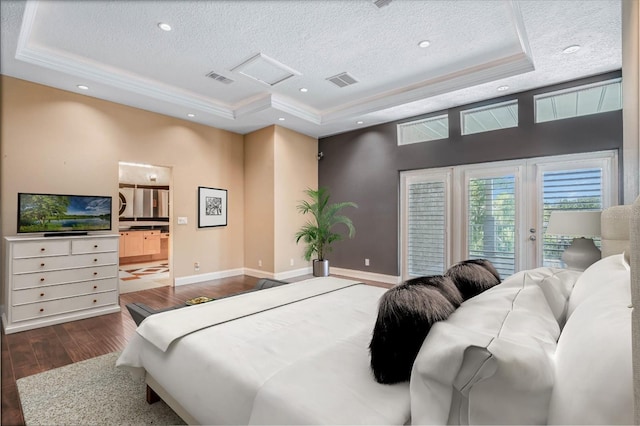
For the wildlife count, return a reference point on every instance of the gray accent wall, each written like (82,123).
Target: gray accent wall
(364,166)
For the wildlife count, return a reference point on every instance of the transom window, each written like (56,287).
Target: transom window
(492,117)
(579,101)
(428,129)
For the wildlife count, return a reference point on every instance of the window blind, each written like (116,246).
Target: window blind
(426,228)
(578,189)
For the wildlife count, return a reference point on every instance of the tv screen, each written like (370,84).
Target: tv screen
(63,213)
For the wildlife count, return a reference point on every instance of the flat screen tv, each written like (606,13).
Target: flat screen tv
(55,214)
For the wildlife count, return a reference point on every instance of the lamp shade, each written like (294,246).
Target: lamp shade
(574,223)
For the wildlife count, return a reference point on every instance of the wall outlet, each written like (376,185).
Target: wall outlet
(182,220)
(366,262)
(196,266)
(291,262)
(259,262)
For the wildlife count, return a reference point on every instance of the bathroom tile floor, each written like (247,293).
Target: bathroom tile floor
(136,277)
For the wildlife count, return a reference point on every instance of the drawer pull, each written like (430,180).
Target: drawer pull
(95,301)
(41,294)
(42,265)
(95,273)
(95,286)
(42,249)
(95,260)
(41,279)
(41,309)
(95,246)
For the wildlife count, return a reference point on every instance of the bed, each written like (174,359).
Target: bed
(546,346)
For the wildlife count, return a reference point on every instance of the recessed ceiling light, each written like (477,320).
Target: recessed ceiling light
(191,115)
(571,49)
(359,122)
(424,44)
(281,118)
(502,88)
(164,27)
(304,89)
(82,87)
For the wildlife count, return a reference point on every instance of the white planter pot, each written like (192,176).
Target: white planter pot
(320,268)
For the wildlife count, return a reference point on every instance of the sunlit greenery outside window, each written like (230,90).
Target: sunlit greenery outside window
(492,221)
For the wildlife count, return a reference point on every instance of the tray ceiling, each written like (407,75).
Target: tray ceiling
(317,67)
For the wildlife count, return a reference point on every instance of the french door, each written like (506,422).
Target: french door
(498,211)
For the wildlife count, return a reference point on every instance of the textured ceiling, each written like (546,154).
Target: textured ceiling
(117,49)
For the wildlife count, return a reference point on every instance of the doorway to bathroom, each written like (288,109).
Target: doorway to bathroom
(144,226)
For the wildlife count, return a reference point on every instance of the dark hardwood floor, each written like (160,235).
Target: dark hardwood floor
(34,351)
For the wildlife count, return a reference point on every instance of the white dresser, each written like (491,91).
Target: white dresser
(51,280)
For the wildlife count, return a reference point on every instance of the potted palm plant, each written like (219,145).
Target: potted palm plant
(317,232)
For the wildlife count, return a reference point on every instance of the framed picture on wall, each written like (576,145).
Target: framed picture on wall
(212,207)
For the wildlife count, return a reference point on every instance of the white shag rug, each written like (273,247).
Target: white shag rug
(91,392)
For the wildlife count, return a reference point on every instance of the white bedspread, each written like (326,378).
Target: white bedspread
(162,330)
(305,362)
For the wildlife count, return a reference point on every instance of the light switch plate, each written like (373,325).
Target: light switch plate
(182,221)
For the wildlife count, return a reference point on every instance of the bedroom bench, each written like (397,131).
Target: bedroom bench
(140,311)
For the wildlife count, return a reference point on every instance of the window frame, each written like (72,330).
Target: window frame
(466,112)
(400,126)
(421,176)
(529,187)
(574,89)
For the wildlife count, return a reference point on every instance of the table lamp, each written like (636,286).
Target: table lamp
(580,224)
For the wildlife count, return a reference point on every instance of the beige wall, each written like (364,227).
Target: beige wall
(279,165)
(259,199)
(296,169)
(631,153)
(631,98)
(62,142)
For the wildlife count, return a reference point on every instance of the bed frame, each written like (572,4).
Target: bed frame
(617,222)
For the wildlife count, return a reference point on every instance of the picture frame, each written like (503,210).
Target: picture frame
(212,207)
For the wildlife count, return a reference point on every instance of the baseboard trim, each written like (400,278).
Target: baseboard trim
(278,276)
(294,273)
(351,273)
(362,275)
(194,279)
(258,273)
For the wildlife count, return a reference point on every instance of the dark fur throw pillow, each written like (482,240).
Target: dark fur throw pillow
(405,316)
(473,276)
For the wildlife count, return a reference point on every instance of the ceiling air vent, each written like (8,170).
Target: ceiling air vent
(382,3)
(222,79)
(342,80)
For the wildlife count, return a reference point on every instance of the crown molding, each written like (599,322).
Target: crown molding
(88,70)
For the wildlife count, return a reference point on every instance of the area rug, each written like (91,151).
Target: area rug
(91,392)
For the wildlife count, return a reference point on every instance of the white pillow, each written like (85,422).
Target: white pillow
(557,288)
(594,376)
(596,278)
(490,361)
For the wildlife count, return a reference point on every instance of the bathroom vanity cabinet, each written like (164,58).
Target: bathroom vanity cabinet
(143,245)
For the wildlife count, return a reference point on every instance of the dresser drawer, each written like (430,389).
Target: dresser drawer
(38,279)
(41,248)
(21,297)
(94,245)
(63,262)
(61,306)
